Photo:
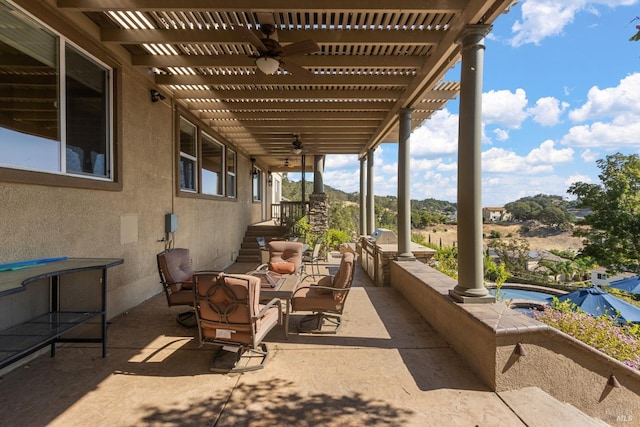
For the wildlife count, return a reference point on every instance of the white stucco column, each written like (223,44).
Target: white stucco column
(371,213)
(470,286)
(363,195)
(404,190)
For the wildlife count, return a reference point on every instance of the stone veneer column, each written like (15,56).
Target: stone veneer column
(470,287)
(404,196)
(318,201)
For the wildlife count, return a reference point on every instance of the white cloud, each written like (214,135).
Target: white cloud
(548,18)
(504,108)
(539,160)
(614,102)
(589,156)
(345,180)
(577,178)
(617,110)
(501,134)
(614,135)
(342,161)
(547,111)
(438,135)
(546,153)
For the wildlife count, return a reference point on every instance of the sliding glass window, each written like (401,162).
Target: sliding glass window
(56,112)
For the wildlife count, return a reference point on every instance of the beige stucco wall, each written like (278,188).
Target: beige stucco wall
(40,221)
(565,368)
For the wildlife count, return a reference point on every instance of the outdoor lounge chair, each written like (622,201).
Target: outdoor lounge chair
(230,316)
(313,257)
(175,270)
(285,257)
(325,298)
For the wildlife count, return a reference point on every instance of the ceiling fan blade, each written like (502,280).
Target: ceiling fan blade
(300,48)
(250,36)
(297,70)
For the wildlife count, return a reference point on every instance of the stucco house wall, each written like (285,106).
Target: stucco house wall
(40,220)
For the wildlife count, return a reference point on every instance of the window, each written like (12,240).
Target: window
(231,173)
(257,185)
(188,156)
(56,111)
(212,163)
(206,166)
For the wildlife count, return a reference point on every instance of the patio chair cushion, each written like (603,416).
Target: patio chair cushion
(326,282)
(176,265)
(285,251)
(343,276)
(312,299)
(282,267)
(235,327)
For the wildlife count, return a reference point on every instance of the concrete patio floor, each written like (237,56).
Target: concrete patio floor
(385,367)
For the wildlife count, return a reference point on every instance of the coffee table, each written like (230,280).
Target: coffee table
(281,286)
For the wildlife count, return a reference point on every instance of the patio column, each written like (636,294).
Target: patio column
(470,286)
(404,192)
(363,194)
(318,203)
(371,213)
(303,162)
(318,171)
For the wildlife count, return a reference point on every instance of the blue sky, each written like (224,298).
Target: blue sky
(561,89)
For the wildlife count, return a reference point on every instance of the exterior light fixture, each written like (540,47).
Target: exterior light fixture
(267,65)
(157,96)
(269,179)
(253,172)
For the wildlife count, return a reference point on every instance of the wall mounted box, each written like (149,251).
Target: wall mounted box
(170,223)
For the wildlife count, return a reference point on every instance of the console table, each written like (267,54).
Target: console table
(21,340)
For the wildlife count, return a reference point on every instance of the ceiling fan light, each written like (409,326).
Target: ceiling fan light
(267,65)
(296,150)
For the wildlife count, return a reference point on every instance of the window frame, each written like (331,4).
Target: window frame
(201,130)
(112,181)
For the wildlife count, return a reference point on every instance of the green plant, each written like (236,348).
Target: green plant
(447,261)
(336,237)
(622,342)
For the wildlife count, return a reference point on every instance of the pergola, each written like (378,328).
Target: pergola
(346,69)
(283,80)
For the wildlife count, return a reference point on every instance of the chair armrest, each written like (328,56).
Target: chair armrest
(327,288)
(267,306)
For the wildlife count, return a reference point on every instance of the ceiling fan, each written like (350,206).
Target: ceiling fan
(271,53)
(296,145)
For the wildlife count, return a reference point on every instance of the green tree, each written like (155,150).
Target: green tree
(513,253)
(612,235)
(555,217)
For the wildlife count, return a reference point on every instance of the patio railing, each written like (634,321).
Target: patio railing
(288,213)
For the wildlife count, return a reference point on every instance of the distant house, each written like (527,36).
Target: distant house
(599,277)
(493,214)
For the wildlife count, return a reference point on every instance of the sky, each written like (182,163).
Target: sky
(561,89)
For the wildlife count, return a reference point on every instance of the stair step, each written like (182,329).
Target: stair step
(537,408)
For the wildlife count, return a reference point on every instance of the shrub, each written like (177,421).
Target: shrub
(336,237)
(602,332)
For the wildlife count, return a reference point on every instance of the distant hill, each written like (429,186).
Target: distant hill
(292,190)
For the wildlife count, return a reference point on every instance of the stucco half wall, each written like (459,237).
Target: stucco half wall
(509,350)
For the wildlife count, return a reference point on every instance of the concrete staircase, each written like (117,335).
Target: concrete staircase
(536,408)
(249,250)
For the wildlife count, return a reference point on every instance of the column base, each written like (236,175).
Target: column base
(405,257)
(480,299)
